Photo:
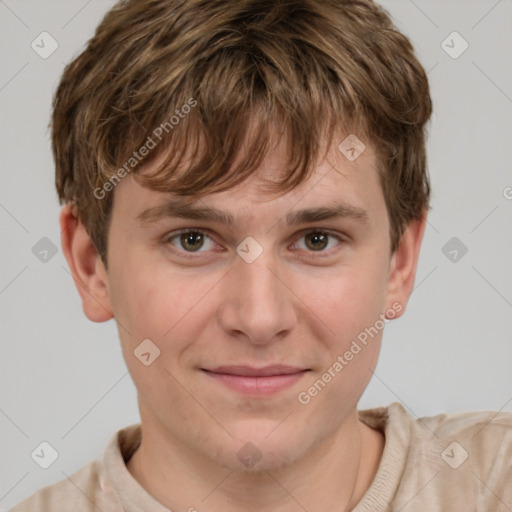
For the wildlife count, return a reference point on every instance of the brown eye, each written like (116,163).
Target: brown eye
(319,241)
(316,241)
(192,240)
(189,241)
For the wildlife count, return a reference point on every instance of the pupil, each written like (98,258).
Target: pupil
(316,237)
(188,240)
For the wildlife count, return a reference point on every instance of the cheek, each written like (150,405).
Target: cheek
(152,304)
(165,306)
(355,310)
(347,299)
(148,299)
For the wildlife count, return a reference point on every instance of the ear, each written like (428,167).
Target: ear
(403,265)
(87,269)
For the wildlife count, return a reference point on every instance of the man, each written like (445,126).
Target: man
(245,192)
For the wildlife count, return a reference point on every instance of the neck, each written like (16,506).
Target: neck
(333,476)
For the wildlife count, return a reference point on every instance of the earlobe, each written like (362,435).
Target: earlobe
(403,266)
(86,267)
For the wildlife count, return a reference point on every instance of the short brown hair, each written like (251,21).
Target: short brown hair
(311,65)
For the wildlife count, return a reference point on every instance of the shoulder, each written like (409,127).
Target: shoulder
(483,424)
(79,491)
(483,432)
(480,433)
(93,487)
(465,456)
(474,423)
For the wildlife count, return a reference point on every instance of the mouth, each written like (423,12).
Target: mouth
(256,381)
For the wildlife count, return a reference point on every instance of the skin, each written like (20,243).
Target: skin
(290,306)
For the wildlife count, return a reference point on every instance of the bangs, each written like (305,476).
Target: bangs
(244,103)
(196,162)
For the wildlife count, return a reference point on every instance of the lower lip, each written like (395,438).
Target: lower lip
(257,386)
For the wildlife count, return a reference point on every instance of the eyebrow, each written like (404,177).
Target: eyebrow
(179,209)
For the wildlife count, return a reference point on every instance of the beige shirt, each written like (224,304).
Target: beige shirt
(457,462)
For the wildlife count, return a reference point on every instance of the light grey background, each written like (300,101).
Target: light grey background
(63,377)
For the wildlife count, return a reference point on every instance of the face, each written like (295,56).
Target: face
(267,328)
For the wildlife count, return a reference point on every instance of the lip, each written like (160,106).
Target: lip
(256,381)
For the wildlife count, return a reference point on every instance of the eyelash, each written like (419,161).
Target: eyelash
(171,236)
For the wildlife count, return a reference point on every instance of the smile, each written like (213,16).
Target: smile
(256,381)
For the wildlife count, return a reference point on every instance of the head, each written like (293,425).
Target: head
(244,107)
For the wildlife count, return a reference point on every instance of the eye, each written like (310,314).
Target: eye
(189,240)
(317,240)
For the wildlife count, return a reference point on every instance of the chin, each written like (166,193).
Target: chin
(266,461)
(259,454)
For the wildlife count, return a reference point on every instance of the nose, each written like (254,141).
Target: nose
(259,304)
